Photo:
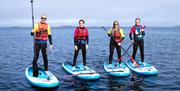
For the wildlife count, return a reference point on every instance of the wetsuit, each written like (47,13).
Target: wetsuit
(42,34)
(138,40)
(116,37)
(81,39)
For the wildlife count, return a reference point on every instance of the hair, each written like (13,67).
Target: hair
(114,24)
(82,21)
(43,15)
(138,19)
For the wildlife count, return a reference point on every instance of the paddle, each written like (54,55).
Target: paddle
(32,11)
(79,74)
(89,73)
(123,54)
(123,48)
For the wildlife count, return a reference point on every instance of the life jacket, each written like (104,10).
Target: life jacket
(82,33)
(42,33)
(138,34)
(81,36)
(116,35)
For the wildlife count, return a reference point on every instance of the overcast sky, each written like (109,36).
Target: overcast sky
(95,12)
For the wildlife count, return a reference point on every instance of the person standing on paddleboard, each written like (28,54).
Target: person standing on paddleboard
(117,36)
(41,33)
(138,32)
(81,39)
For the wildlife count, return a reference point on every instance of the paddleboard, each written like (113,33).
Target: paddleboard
(143,69)
(44,79)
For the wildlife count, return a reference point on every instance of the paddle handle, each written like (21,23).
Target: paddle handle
(134,62)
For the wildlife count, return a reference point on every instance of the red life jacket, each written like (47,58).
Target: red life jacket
(82,33)
(41,33)
(117,35)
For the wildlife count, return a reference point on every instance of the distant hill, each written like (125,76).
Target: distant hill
(178,26)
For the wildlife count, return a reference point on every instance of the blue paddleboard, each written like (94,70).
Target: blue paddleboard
(117,70)
(143,69)
(44,79)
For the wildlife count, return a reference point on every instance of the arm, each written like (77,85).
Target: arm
(49,35)
(109,32)
(142,30)
(75,35)
(131,32)
(87,37)
(50,39)
(130,36)
(35,29)
(143,33)
(122,34)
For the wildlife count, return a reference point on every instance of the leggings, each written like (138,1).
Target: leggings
(139,44)
(37,48)
(118,49)
(83,49)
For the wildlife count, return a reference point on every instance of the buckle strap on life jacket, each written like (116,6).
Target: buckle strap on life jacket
(42,33)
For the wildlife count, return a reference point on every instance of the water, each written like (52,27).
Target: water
(162,49)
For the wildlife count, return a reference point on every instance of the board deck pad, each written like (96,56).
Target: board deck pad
(80,72)
(117,70)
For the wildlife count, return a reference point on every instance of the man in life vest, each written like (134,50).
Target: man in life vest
(138,32)
(41,33)
(81,39)
(117,36)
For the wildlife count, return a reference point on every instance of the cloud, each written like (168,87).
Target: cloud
(95,12)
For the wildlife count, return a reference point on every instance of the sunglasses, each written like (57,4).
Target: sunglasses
(43,18)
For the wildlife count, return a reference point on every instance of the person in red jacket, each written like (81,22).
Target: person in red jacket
(138,33)
(81,39)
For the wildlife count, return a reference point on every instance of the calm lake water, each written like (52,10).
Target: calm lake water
(162,49)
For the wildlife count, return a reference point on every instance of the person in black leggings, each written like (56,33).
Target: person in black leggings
(117,36)
(41,33)
(138,32)
(81,39)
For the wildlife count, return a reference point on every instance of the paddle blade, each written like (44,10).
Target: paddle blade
(135,62)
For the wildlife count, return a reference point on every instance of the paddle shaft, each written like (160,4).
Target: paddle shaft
(87,73)
(32,12)
(127,49)
(110,35)
(79,74)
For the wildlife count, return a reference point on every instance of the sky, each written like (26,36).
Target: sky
(154,13)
